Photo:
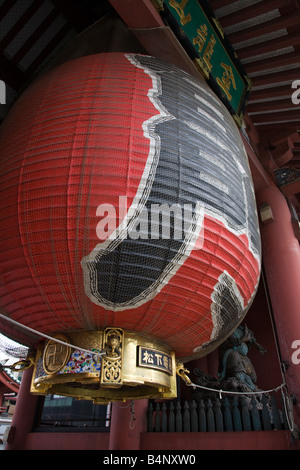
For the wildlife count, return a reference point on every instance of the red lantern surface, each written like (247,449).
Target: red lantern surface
(88,153)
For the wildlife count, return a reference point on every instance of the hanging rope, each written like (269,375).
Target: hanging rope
(132,416)
(43,335)
(286,399)
(132,412)
(288,409)
(220,392)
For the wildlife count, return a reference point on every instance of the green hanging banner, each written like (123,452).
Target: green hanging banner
(202,37)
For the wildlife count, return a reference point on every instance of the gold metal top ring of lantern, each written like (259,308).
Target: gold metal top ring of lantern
(113,365)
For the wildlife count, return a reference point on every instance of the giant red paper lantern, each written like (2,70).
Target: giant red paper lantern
(126,148)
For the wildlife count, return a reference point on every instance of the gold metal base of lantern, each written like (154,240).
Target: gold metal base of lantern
(104,366)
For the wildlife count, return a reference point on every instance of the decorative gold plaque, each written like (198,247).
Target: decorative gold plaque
(56,355)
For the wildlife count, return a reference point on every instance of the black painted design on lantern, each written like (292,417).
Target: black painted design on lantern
(199,159)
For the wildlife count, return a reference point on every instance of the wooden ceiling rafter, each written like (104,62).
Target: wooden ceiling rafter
(276,93)
(20,59)
(37,33)
(269,49)
(275,78)
(252,11)
(48,49)
(269,46)
(264,33)
(281,22)
(270,106)
(74,12)
(32,8)
(262,65)
(7,5)
(292,115)
(14,75)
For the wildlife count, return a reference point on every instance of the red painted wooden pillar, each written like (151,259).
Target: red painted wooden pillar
(281,258)
(23,415)
(124,429)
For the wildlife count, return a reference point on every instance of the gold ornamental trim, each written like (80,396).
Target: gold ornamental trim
(113,365)
(111,370)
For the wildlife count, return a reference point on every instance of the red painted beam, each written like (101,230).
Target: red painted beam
(121,436)
(24,413)
(149,29)
(289,137)
(282,267)
(216,441)
(137,13)
(8,382)
(261,178)
(277,134)
(283,152)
